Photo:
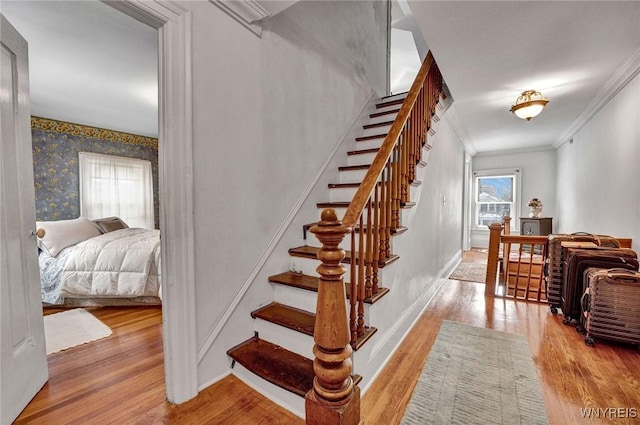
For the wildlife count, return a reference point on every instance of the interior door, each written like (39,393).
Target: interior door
(23,356)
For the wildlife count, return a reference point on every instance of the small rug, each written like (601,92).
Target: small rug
(471,272)
(72,328)
(477,376)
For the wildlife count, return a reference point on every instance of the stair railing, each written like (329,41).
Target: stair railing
(372,216)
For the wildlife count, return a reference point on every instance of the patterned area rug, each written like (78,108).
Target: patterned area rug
(471,272)
(72,328)
(477,376)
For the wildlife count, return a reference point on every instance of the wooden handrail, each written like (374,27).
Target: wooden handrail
(372,216)
(369,181)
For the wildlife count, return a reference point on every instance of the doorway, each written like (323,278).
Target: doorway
(176,224)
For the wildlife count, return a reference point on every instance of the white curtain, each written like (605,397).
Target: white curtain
(116,186)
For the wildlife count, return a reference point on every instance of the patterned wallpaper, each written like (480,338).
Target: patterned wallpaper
(55,162)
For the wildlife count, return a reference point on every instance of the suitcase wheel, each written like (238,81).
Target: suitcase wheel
(581,330)
(554,310)
(589,341)
(566,321)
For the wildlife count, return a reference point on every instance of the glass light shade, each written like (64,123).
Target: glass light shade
(529,105)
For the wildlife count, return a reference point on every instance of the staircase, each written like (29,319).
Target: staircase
(280,352)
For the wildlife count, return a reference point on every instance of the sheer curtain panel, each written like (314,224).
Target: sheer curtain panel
(116,186)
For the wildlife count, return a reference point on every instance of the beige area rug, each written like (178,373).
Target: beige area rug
(470,272)
(477,376)
(72,328)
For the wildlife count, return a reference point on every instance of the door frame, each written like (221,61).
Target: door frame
(175,151)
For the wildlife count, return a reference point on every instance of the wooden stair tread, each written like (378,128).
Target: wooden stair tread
(275,364)
(354,167)
(372,137)
(333,204)
(308,251)
(379,114)
(376,125)
(299,320)
(389,103)
(289,317)
(363,151)
(310,283)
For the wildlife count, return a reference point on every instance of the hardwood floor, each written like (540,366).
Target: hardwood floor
(119,380)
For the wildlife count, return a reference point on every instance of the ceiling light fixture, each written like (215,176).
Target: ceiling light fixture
(529,104)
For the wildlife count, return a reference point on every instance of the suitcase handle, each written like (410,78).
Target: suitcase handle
(584,300)
(627,276)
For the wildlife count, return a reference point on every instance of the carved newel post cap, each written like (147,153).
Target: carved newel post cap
(329,215)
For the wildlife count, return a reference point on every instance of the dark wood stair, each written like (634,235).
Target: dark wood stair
(299,320)
(277,365)
(310,283)
(312,252)
(372,137)
(376,125)
(389,103)
(380,114)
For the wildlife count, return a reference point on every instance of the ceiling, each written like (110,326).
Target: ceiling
(89,64)
(489,52)
(574,52)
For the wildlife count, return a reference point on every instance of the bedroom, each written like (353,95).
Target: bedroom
(95,146)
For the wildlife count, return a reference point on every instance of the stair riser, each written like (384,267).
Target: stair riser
(393,97)
(308,266)
(375,130)
(352,176)
(342,194)
(305,300)
(382,118)
(369,144)
(284,398)
(297,342)
(299,298)
(361,159)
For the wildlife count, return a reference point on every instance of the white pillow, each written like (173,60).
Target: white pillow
(63,233)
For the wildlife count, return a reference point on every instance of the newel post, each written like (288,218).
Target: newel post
(492,259)
(334,399)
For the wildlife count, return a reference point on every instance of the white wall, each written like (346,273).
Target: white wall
(598,183)
(538,179)
(267,113)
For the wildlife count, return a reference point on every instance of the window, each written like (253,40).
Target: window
(496,195)
(116,186)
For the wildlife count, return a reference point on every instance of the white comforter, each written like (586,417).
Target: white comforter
(122,263)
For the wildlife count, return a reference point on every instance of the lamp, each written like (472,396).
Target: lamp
(529,104)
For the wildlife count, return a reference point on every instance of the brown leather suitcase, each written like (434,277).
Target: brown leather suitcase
(577,261)
(611,306)
(554,262)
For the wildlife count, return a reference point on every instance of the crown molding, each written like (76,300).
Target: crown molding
(618,80)
(532,149)
(454,119)
(246,12)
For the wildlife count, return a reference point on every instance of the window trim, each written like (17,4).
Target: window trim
(517,175)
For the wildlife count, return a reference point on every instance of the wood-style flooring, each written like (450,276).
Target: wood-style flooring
(119,380)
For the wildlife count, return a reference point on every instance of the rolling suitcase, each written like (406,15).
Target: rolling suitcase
(611,306)
(554,262)
(577,261)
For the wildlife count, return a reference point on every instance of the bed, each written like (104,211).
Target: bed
(98,263)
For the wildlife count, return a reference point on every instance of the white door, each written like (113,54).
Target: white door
(23,358)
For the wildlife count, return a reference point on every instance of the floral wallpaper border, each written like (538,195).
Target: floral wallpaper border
(55,146)
(88,131)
